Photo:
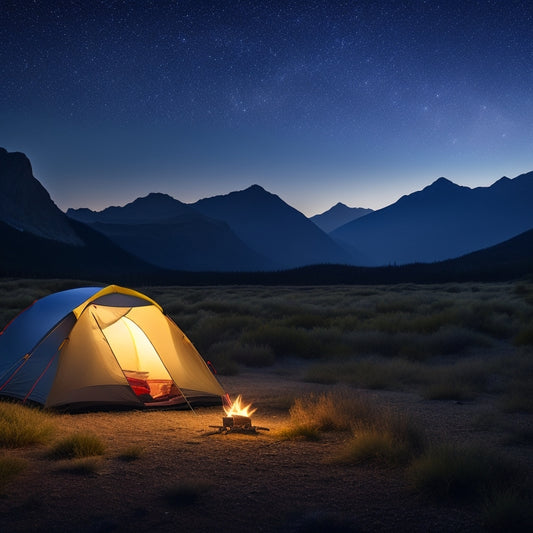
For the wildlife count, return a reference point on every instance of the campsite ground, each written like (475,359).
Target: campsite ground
(244,482)
(456,359)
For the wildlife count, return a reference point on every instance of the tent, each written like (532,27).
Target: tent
(106,347)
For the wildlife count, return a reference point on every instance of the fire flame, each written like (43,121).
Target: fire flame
(237,408)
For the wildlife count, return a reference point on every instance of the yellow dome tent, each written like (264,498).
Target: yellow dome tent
(104,347)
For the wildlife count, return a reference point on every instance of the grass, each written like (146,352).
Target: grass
(378,434)
(259,326)
(388,439)
(22,426)
(312,415)
(10,468)
(77,446)
(463,473)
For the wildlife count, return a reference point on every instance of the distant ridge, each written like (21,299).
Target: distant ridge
(442,221)
(170,234)
(337,216)
(155,207)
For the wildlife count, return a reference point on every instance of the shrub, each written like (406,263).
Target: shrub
(467,473)
(10,467)
(247,354)
(388,439)
(369,372)
(283,340)
(23,426)
(334,411)
(77,446)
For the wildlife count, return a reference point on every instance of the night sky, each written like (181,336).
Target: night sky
(317,101)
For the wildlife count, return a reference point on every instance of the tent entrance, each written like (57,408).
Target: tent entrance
(140,362)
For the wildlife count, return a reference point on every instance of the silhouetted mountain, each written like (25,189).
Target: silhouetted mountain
(170,234)
(155,207)
(25,254)
(510,260)
(273,228)
(26,205)
(337,216)
(442,221)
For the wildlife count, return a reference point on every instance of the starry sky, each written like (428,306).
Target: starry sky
(317,101)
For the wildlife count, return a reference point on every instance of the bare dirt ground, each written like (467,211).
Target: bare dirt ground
(252,482)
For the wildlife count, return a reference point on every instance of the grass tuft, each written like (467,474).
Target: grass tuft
(316,413)
(24,426)
(10,467)
(462,474)
(388,439)
(77,446)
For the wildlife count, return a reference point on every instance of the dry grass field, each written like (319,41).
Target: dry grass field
(402,408)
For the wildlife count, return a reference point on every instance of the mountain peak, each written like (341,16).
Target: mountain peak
(255,188)
(442,183)
(26,205)
(154,207)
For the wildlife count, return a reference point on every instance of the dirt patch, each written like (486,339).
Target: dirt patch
(243,482)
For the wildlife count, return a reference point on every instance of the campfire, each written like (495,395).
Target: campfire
(238,418)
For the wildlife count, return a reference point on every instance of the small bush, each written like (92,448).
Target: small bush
(462,473)
(389,439)
(299,432)
(251,355)
(369,372)
(23,426)
(316,413)
(77,446)
(186,492)
(10,467)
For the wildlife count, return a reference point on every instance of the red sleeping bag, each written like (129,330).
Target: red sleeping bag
(139,386)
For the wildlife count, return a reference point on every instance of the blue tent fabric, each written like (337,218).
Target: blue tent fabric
(32,325)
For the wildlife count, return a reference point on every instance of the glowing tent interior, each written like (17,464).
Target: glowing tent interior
(97,346)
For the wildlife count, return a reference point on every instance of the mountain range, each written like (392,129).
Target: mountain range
(254,231)
(173,235)
(442,221)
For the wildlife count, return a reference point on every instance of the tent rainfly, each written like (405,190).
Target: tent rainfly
(105,347)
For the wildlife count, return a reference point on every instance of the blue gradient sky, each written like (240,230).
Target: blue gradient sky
(317,101)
